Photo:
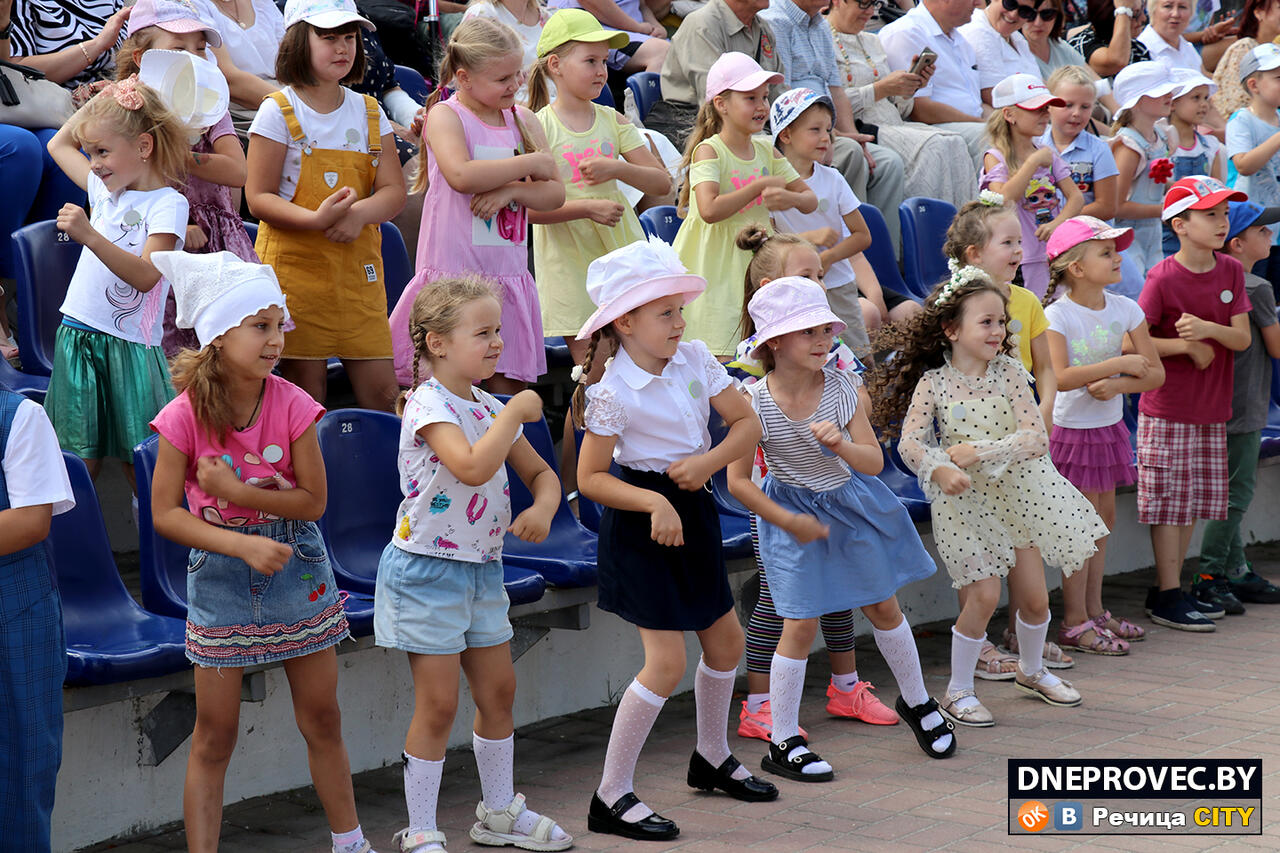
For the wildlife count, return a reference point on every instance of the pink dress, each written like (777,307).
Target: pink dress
(452,241)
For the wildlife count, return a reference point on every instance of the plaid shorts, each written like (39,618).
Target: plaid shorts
(1182,471)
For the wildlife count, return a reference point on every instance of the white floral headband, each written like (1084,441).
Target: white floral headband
(991,198)
(960,276)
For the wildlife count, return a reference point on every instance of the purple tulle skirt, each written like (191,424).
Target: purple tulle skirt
(1094,460)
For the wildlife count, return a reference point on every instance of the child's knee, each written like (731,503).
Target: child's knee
(663,675)
(213,742)
(497,697)
(984,596)
(801,631)
(884,615)
(437,710)
(321,721)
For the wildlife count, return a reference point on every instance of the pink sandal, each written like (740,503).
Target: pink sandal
(1122,628)
(1103,642)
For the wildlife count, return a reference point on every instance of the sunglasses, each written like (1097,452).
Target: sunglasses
(1029,13)
(869,4)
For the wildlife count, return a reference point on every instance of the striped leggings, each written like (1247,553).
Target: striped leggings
(764,628)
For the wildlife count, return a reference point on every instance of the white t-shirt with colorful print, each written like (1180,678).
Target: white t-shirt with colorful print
(440,515)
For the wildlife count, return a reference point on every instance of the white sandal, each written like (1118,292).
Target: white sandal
(496,829)
(407,842)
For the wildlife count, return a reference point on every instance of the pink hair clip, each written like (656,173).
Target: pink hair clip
(125,92)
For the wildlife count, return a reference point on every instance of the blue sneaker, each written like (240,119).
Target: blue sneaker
(1175,609)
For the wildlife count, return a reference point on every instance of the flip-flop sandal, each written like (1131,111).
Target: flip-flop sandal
(991,663)
(1122,628)
(1102,641)
(927,737)
(781,762)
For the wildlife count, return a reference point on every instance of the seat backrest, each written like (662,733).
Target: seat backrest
(251,228)
(646,88)
(46,260)
(163,562)
(397,268)
(413,83)
(662,222)
(359,448)
(880,253)
(605,98)
(725,502)
(924,231)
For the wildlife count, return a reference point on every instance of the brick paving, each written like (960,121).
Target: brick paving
(1176,695)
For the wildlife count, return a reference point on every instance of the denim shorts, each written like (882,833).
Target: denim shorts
(237,616)
(433,606)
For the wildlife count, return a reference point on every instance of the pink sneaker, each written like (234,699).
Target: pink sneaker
(859,704)
(760,724)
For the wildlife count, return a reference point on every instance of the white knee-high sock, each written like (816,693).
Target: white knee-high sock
(631,725)
(422,791)
(898,647)
(786,686)
(495,762)
(964,658)
(1031,647)
(713,694)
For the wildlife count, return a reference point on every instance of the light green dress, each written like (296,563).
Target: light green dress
(562,251)
(715,317)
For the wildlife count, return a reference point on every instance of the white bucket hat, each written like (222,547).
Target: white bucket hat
(789,304)
(1147,78)
(324,14)
(215,292)
(636,275)
(192,88)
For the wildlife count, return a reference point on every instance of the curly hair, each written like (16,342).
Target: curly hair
(921,343)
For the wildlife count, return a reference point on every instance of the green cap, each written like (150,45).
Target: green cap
(577,25)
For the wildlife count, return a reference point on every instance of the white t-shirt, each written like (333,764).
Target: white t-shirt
(955,80)
(34,472)
(1184,55)
(1092,337)
(252,50)
(97,297)
(835,201)
(997,58)
(345,129)
(440,515)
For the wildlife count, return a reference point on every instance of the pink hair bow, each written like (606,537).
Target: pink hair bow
(125,92)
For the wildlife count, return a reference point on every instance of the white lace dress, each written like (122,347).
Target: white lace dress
(1017,499)
(938,163)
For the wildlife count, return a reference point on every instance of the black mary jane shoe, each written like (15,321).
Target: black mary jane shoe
(608,819)
(707,778)
(927,737)
(782,762)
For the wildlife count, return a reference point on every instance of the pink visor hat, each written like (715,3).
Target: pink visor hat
(1081,229)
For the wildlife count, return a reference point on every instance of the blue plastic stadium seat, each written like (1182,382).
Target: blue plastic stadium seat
(413,83)
(397,266)
(557,353)
(109,637)
(27,384)
(924,230)
(903,483)
(661,222)
(646,89)
(735,521)
(522,585)
(359,609)
(163,562)
(605,98)
(881,256)
(46,260)
(588,510)
(1271,432)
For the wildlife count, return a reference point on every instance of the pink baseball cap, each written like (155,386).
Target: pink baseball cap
(1197,192)
(636,275)
(1080,229)
(1025,91)
(172,16)
(739,72)
(789,304)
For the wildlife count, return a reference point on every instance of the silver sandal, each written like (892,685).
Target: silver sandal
(976,716)
(497,829)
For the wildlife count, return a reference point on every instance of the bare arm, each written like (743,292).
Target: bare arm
(1046,380)
(475,464)
(1127,162)
(224,165)
(388,196)
(247,90)
(22,527)
(448,142)
(858,240)
(716,207)
(1128,367)
(304,502)
(1249,162)
(60,66)
(534,523)
(65,151)
(1105,193)
(264,166)
(1271,339)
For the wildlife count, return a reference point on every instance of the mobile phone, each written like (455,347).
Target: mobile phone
(926,58)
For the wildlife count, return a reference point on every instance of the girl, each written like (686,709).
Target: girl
(734,179)
(970,430)
(1090,442)
(320,183)
(660,564)
(818,519)
(109,373)
(483,165)
(1202,155)
(773,257)
(216,164)
(1142,144)
(439,595)
(240,444)
(1027,175)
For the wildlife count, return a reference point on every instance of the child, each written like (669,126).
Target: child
(484,165)
(1223,568)
(109,373)
(1197,309)
(440,594)
(734,179)
(1027,175)
(1253,138)
(596,147)
(801,121)
(973,436)
(239,443)
(217,161)
(319,182)
(774,257)
(831,534)
(1142,144)
(33,488)
(660,564)
(1090,442)
(1196,153)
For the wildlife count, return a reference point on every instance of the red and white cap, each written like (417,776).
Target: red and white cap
(1197,192)
(737,72)
(1025,91)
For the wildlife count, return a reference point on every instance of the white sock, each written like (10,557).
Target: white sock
(786,685)
(631,725)
(495,762)
(421,791)
(898,647)
(964,659)
(845,683)
(712,694)
(348,842)
(1031,648)
(755,701)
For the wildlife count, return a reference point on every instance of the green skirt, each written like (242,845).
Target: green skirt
(104,392)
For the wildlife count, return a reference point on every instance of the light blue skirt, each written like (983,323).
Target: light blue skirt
(871,552)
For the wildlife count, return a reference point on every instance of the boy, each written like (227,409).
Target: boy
(1197,309)
(1253,138)
(1225,576)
